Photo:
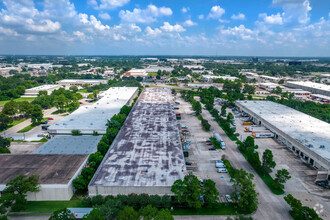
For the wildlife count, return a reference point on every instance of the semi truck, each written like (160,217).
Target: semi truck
(262,134)
(247,129)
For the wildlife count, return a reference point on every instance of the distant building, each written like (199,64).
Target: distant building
(93,118)
(317,88)
(208,78)
(80,82)
(33,92)
(136,73)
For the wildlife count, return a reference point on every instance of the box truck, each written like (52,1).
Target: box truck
(262,134)
(251,129)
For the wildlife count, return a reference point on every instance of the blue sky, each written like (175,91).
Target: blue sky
(166,27)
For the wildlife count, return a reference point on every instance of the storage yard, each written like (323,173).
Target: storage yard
(306,136)
(146,155)
(56,173)
(93,118)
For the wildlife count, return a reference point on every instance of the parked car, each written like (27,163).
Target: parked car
(202,182)
(188,163)
(50,118)
(222,170)
(208,143)
(41,135)
(228,198)
(212,148)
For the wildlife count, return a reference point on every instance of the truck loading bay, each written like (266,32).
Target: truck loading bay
(301,185)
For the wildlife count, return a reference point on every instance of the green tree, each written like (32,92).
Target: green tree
(164,214)
(300,212)
(128,213)
(281,177)
(14,195)
(75,132)
(36,114)
(74,88)
(223,111)
(20,89)
(197,107)
(42,93)
(4,121)
(148,212)
(281,81)
(62,214)
(95,214)
(188,191)
(24,107)
(10,108)
(249,89)
(4,145)
(267,161)
(111,207)
(210,192)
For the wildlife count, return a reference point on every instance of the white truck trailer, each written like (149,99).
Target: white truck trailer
(262,134)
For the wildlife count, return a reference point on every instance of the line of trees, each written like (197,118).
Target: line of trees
(300,212)
(94,160)
(245,193)
(264,167)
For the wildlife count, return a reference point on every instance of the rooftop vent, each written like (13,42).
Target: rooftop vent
(322,146)
(310,146)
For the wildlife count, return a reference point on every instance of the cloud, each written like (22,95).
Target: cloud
(239,32)
(104,16)
(93,23)
(216,12)
(272,19)
(189,23)
(46,26)
(7,31)
(201,17)
(295,11)
(107,4)
(167,27)
(148,15)
(153,32)
(185,10)
(239,16)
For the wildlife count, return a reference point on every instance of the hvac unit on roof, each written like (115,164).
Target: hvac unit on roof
(322,146)
(310,146)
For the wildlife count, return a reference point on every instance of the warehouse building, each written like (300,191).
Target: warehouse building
(317,88)
(306,136)
(209,78)
(80,82)
(33,92)
(146,156)
(56,173)
(93,118)
(136,73)
(67,144)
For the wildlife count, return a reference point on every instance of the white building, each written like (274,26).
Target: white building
(317,88)
(136,73)
(208,78)
(80,82)
(33,92)
(306,136)
(94,117)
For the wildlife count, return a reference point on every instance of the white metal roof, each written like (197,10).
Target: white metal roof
(94,117)
(303,128)
(311,85)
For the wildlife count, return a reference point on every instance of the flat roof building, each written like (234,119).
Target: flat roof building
(306,136)
(80,82)
(66,144)
(136,73)
(208,78)
(56,173)
(33,92)
(317,88)
(146,155)
(94,117)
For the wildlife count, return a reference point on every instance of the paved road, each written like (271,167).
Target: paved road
(270,206)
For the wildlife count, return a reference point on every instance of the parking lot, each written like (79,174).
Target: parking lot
(301,185)
(203,160)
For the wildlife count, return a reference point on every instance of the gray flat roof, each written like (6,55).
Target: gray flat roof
(303,128)
(147,151)
(94,117)
(70,145)
(51,168)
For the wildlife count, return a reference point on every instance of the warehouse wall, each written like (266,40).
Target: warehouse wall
(126,190)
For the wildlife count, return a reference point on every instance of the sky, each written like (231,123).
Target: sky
(165,27)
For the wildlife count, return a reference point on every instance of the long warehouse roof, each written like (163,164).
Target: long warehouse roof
(147,151)
(94,117)
(311,85)
(308,131)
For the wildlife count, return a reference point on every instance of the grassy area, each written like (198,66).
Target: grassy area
(231,136)
(83,90)
(220,209)
(18,141)
(31,126)
(41,140)
(16,122)
(29,99)
(152,74)
(268,180)
(65,114)
(50,206)
(171,84)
